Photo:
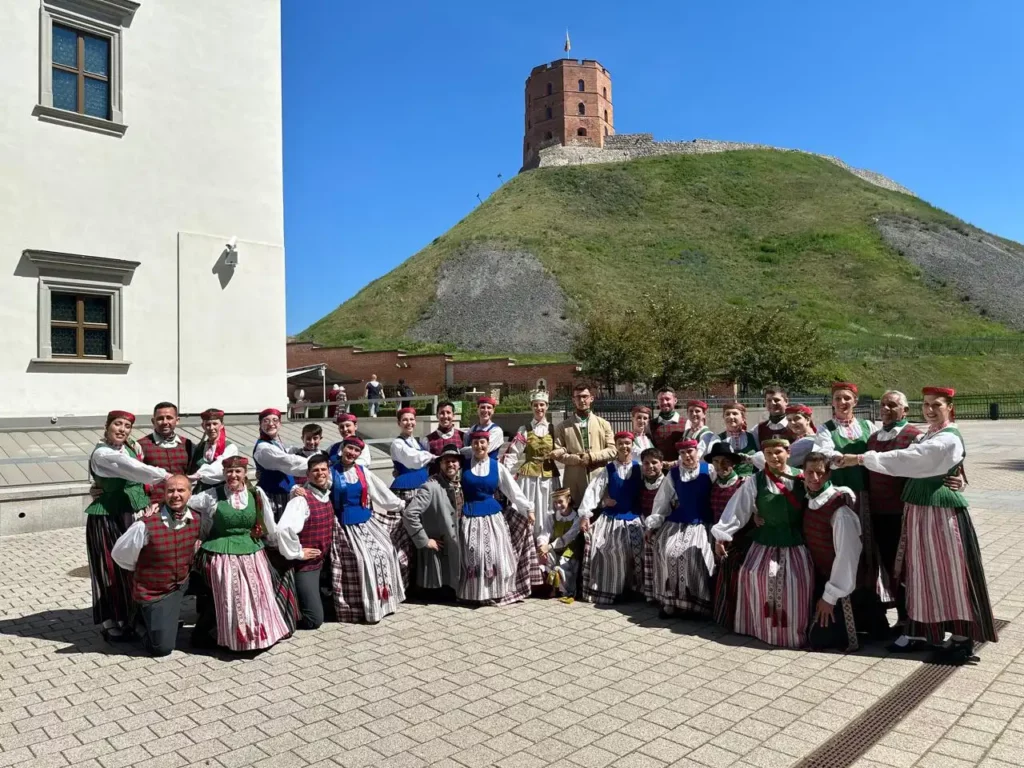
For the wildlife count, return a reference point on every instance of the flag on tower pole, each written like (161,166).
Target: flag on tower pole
(568,45)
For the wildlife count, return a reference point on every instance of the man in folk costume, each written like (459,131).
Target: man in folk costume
(736,436)
(209,455)
(727,482)
(832,533)
(431,518)
(697,415)
(276,468)
(678,531)
(446,433)
(158,549)
(584,444)
(367,550)
(165,448)
(491,568)
(303,537)
(485,413)
(559,554)
(347,426)
(776,401)
(667,428)
(118,493)
(800,424)
(613,556)
(250,608)
(640,417)
(776,580)
(529,456)
(938,556)
(411,460)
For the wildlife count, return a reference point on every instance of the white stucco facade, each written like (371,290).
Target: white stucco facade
(195,161)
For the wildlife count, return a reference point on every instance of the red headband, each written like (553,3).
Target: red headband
(696,404)
(341,418)
(235,461)
(684,444)
(623,435)
(479,434)
(403,411)
(838,385)
(806,410)
(487,401)
(120,415)
(353,440)
(943,391)
(211,413)
(269,412)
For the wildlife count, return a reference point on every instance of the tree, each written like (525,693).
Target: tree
(774,347)
(616,349)
(689,341)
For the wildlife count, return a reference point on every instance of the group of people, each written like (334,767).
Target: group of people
(801,536)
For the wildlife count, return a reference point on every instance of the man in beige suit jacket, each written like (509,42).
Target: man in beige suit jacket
(584,444)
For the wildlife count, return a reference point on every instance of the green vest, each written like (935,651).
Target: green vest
(560,529)
(537,463)
(117,495)
(930,491)
(852,477)
(231,533)
(782,521)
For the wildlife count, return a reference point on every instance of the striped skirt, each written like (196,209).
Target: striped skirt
(940,563)
(773,595)
(367,577)
(727,579)
(683,567)
(489,561)
(111,584)
(613,559)
(245,598)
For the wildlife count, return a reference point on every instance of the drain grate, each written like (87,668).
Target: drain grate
(847,746)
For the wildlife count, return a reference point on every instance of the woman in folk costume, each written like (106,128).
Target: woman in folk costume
(536,475)
(212,450)
(559,556)
(652,464)
(613,554)
(348,424)
(697,413)
(485,413)
(411,460)
(119,476)
(249,609)
(489,560)
(736,436)
(727,482)
(369,550)
(276,468)
(776,580)
(678,530)
(641,418)
(938,555)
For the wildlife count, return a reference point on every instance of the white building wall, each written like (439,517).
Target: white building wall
(201,155)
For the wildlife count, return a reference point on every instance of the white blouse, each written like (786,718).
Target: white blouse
(408,452)
(569,536)
(666,499)
(497,438)
(743,504)
(274,456)
(798,452)
(852,431)
(845,540)
(107,461)
(595,490)
(380,495)
(127,548)
(934,454)
(213,473)
(293,520)
(506,484)
(640,444)
(206,504)
(517,447)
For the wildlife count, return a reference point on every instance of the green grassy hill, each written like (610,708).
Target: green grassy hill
(746,229)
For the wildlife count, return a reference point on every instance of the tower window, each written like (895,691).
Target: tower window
(581,131)
(606,115)
(581,86)
(547,113)
(582,108)
(549,89)
(547,135)
(606,130)
(604,92)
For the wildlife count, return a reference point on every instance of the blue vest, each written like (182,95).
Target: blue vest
(334,453)
(625,492)
(347,500)
(478,492)
(272,482)
(409,478)
(693,498)
(477,428)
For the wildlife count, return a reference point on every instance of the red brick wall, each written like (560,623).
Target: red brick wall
(483,372)
(424,373)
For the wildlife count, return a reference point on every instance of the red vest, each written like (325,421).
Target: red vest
(164,563)
(720,495)
(818,533)
(174,460)
(764,433)
(316,531)
(436,443)
(665,436)
(884,492)
(647,500)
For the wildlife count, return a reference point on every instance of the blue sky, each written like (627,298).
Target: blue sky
(396,115)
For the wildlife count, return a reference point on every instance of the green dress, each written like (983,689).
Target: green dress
(117,495)
(232,529)
(931,491)
(852,477)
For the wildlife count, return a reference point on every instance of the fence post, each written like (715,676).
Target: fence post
(993,411)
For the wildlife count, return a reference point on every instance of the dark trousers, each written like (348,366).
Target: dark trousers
(859,614)
(887,530)
(158,621)
(311,604)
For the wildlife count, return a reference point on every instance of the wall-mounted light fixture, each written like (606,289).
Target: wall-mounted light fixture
(231,252)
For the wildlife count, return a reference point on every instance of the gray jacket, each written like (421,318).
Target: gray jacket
(429,514)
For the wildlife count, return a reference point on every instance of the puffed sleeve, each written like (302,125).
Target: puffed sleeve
(823,442)
(664,501)
(269,524)
(293,520)
(515,449)
(273,457)
(410,456)
(846,540)
(928,458)
(107,462)
(737,512)
(205,504)
(511,489)
(213,473)
(594,494)
(128,546)
(381,496)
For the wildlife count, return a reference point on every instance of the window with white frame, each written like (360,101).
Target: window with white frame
(80,314)
(80,54)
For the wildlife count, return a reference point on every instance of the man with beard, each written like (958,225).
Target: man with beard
(584,444)
(776,425)
(431,519)
(446,433)
(164,448)
(668,427)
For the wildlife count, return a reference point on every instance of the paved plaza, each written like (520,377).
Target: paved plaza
(537,684)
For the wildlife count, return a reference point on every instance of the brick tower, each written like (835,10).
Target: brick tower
(568,102)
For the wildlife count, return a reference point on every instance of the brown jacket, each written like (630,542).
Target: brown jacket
(567,435)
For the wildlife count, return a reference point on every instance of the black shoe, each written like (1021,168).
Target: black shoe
(914,646)
(960,651)
(124,636)
(202,640)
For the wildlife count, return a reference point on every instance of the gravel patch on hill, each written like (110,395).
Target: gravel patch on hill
(492,300)
(988,273)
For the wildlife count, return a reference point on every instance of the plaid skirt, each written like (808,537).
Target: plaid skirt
(613,559)
(367,573)
(524,544)
(111,584)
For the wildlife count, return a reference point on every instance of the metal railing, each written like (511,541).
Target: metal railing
(320,410)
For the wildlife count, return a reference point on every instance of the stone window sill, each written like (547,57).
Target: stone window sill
(74,365)
(87,122)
